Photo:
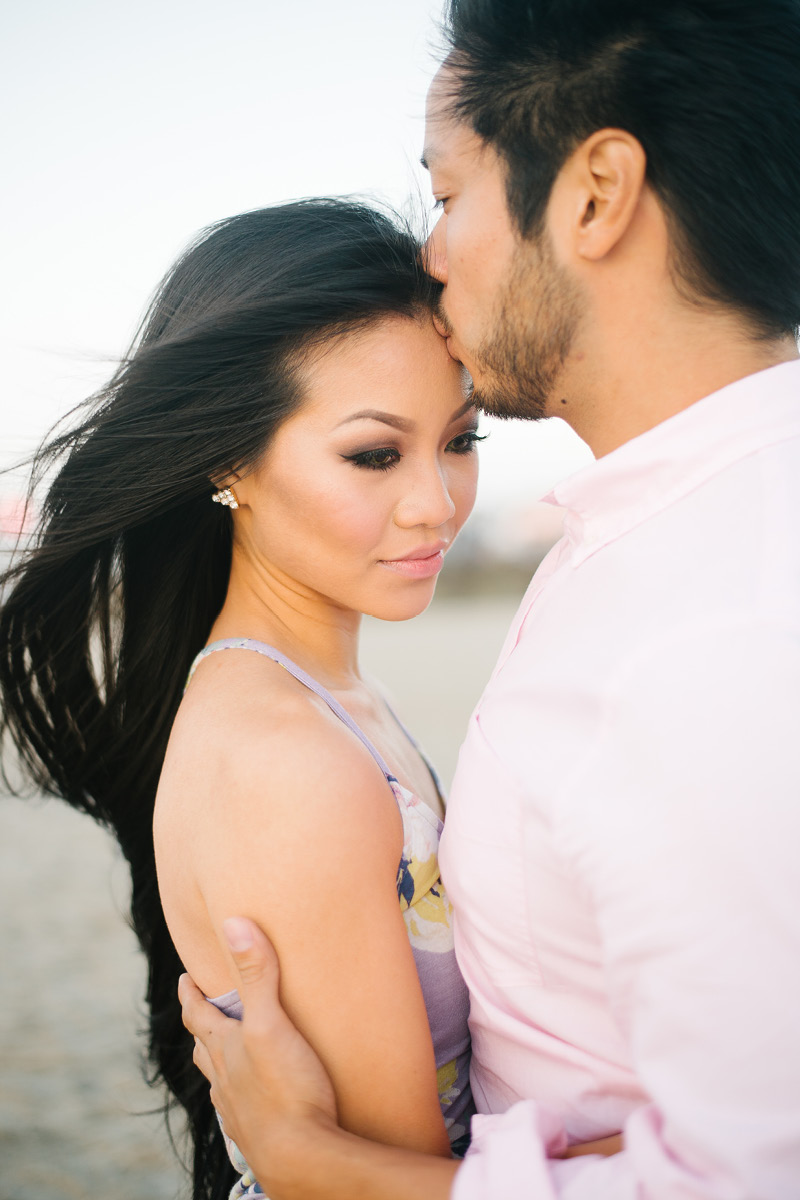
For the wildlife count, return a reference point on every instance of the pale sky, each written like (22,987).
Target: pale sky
(129,127)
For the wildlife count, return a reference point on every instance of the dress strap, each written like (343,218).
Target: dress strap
(434,774)
(302,677)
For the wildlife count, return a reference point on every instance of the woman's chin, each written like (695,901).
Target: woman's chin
(403,608)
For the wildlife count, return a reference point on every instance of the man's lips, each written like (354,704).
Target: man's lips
(422,563)
(453,350)
(445,330)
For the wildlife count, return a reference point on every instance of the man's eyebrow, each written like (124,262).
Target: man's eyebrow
(429,156)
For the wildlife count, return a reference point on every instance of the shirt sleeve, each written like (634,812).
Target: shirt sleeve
(682,826)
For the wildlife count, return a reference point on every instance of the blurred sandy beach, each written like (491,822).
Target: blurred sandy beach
(71,986)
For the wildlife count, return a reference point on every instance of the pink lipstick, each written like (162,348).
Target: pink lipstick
(422,563)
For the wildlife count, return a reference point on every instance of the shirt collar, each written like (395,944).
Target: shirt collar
(651,471)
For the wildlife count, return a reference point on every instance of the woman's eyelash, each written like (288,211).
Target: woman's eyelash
(382,459)
(469,441)
(385,457)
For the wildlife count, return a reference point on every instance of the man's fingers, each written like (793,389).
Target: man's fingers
(202,1060)
(257,965)
(187,989)
(200,1017)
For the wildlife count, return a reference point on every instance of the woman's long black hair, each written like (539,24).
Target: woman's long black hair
(105,611)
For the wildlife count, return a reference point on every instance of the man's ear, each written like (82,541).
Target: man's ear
(604,179)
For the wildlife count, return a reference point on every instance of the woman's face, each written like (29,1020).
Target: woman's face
(363,489)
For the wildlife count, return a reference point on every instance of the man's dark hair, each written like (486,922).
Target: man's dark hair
(710,88)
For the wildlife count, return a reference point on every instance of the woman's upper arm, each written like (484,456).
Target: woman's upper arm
(307,843)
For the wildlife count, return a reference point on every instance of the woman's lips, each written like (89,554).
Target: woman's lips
(416,566)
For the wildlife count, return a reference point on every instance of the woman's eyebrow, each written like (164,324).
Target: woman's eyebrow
(465,408)
(396,422)
(373,414)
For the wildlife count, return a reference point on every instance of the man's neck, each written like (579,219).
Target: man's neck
(624,381)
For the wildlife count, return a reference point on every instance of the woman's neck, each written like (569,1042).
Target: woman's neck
(318,635)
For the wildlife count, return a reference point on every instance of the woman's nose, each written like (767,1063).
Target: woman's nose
(434,256)
(428,503)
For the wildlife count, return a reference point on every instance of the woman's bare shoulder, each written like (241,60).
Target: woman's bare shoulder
(252,748)
(236,701)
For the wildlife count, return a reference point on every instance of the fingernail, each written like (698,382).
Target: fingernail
(237,934)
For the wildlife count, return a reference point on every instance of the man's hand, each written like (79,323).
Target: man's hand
(277,1102)
(265,1078)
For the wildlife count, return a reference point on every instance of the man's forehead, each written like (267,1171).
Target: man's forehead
(447,137)
(450,143)
(439,105)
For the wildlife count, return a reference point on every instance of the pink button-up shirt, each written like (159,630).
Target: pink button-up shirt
(622,844)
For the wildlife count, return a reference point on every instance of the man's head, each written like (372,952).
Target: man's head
(691,108)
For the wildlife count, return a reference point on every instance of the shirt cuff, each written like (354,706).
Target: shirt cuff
(509,1155)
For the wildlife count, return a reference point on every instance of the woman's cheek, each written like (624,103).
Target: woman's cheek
(354,522)
(466,489)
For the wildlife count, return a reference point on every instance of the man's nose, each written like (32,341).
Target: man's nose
(434,256)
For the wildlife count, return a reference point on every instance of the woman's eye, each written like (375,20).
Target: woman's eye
(440,203)
(465,443)
(375,460)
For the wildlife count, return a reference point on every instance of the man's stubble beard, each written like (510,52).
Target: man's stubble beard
(530,336)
